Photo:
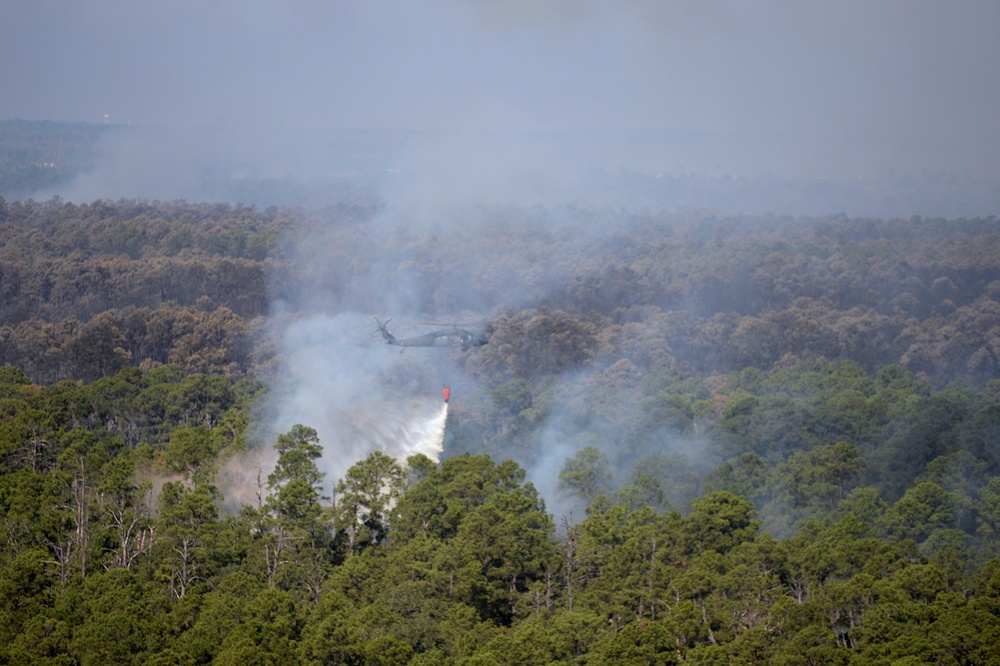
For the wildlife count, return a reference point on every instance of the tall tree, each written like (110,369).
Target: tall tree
(365,498)
(294,517)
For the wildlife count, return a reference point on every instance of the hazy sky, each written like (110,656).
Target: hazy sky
(867,84)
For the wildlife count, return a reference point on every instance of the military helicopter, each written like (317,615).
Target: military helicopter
(452,336)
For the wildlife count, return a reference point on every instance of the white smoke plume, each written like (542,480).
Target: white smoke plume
(358,394)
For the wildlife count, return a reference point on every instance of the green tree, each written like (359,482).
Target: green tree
(268,633)
(128,511)
(645,490)
(364,499)
(720,521)
(988,511)
(296,528)
(220,611)
(921,510)
(586,474)
(186,515)
(190,450)
(435,507)
(502,547)
(298,450)
(29,439)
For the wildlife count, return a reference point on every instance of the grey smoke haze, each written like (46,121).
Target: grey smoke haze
(334,386)
(414,104)
(506,100)
(358,396)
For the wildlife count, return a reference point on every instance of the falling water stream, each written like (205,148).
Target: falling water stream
(398,427)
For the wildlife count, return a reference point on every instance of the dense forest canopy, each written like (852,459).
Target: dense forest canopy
(701,292)
(116,549)
(691,437)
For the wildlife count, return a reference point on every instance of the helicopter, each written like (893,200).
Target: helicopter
(452,336)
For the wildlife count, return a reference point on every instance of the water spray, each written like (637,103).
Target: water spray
(433,444)
(399,427)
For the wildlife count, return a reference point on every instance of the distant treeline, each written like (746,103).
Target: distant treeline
(43,155)
(701,293)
